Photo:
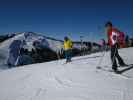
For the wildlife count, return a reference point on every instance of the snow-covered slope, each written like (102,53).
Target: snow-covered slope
(78,80)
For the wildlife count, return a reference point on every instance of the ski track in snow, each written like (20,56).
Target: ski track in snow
(78,80)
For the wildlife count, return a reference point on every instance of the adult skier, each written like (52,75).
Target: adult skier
(113,41)
(68,49)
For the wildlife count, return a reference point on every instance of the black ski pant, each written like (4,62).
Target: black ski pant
(115,55)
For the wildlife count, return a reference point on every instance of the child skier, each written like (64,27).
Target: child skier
(113,41)
(68,49)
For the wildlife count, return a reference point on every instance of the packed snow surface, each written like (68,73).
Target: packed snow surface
(78,80)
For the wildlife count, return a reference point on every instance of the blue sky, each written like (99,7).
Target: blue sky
(58,18)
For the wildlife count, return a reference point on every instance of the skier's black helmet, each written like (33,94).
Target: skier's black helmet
(66,38)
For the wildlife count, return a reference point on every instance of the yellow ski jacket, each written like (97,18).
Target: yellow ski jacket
(68,44)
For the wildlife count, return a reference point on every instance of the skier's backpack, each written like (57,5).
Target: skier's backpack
(121,39)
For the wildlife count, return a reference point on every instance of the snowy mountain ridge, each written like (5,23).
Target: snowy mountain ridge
(29,38)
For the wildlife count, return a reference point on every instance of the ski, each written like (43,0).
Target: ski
(110,71)
(125,66)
